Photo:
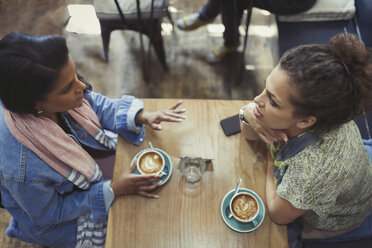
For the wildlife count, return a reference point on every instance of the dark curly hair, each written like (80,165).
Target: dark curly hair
(333,81)
(29,67)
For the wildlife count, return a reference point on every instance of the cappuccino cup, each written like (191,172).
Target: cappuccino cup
(244,207)
(150,162)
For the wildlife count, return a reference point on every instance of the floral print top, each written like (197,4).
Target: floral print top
(331,178)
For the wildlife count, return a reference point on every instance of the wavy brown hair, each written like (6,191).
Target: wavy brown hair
(333,81)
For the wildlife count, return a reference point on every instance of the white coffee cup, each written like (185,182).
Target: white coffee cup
(244,207)
(150,162)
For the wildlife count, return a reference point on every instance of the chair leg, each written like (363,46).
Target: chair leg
(152,30)
(105,35)
(241,59)
(158,44)
(170,19)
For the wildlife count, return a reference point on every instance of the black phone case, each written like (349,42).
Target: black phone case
(231,125)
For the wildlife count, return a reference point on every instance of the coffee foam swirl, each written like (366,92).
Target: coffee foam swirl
(151,163)
(244,207)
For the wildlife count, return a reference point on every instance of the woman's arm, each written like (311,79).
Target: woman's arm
(126,115)
(52,208)
(280,211)
(117,115)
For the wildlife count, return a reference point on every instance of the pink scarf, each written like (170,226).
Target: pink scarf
(48,140)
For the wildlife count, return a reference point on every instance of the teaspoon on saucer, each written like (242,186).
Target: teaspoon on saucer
(228,211)
(152,148)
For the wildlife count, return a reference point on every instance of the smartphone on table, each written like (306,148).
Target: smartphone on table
(231,125)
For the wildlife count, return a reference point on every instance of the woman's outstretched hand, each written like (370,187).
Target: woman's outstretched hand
(153,119)
(131,184)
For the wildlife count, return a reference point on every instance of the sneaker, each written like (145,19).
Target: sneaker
(191,22)
(219,52)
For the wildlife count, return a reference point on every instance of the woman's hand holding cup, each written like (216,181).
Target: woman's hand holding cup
(131,184)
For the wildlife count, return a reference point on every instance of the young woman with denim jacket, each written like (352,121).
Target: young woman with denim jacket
(48,117)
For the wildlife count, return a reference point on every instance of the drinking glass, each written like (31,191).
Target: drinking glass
(192,168)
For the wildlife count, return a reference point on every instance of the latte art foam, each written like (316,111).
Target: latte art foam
(151,163)
(244,207)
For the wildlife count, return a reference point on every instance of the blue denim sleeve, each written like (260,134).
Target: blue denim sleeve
(108,195)
(101,201)
(118,115)
(51,208)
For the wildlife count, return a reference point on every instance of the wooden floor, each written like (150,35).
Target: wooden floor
(189,75)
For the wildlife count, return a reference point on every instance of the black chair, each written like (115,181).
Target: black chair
(143,16)
(315,27)
(240,62)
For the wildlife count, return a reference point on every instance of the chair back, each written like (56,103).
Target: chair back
(108,9)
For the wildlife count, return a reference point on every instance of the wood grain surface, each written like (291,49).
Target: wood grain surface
(189,215)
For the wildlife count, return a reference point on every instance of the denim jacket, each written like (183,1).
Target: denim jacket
(44,205)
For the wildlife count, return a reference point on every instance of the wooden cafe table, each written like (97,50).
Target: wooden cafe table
(189,215)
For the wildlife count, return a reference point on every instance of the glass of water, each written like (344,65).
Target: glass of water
(192,168)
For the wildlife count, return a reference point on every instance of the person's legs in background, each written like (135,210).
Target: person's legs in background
(210,10)
(231,16)
(231,11)
(207,15)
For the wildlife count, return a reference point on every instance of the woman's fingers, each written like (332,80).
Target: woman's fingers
(168,118)
(179,111)
(265,139)
(266,135)
(145,182)
(171,116)
(145,178)
(277,135)
(144,190)
(176,105)
(149,188)
(133,166)
(149,195)
(283,136)
(175,115)
(156,126)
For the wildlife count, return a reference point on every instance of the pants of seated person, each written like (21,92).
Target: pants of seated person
(310,232)
(232,10)
(294,230)
(299,230)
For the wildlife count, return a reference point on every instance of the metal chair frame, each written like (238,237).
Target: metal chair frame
(151,27)
(240,62)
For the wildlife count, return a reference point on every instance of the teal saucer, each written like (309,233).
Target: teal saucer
(167,168)
(237,225)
